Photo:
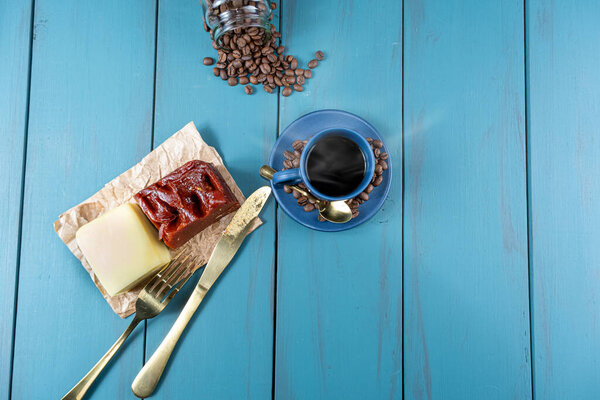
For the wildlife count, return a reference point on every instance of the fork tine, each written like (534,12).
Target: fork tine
(176,288)
(176,276)
(160,277)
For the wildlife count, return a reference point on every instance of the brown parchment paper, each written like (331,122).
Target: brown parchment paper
(183,146)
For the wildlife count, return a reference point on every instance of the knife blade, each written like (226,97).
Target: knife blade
(145,382)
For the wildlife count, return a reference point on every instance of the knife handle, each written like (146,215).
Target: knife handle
(146,380)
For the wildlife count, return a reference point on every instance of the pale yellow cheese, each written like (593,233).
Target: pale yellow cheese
(122,247)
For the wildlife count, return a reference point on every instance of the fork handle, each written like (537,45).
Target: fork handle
(84,384)
(145,382)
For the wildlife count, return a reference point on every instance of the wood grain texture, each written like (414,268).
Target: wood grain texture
(339,295)
(226,351)
(465,249)
(15,32)
(90,119)
(563,54)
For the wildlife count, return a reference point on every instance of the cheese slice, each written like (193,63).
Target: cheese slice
(122,247)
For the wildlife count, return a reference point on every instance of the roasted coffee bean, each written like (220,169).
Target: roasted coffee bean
(280,49)
(378,169)
(297,154)
(288,155)
(241,43)
(307,73)
(364,196)
(216,71)
(286,91)
(253,80)
(297,145)
(296,161)
(298,88)
(383,164)
(289,72)
(278,81)
(265,68)
(248,89)
(313,64)
(300,80)
(290,80)
(377,153)
(298,71)
(270,79)
(319,55)
(208,61)
(383,156)
(268,89)
(302,200)
(223,74)
(294,63)
(369,188)
(273,5)
(355,213)
(287,189)
(378,144)
(236,63)
(287,163)
(309,207)
(221,65)
(296,195)
(378,180)
(232,81)
(244,80)
(321,219)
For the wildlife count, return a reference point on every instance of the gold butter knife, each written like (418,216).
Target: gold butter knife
(147,379)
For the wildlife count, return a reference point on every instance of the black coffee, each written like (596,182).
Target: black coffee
(335,166)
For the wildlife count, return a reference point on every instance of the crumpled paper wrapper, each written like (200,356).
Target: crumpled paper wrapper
(183,146)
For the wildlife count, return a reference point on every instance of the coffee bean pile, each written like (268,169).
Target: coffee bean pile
(292,160)
(252,56)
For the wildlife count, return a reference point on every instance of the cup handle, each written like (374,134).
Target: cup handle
(290,176)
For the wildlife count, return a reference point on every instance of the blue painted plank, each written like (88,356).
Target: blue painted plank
(563,54)
(15,36)
(226,352)
(465,249)
(339,295)
(90,119)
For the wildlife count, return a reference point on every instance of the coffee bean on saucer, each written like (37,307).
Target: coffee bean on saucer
(296,194)
(378,169)
(248,89)
(383,164)
(286,91)
(288,164)
(364,196)
(313,64)
(369,188)
(288,155)
(378,180)
(321,219)
(378,143)
(319,55)
(302,185)
(302,200)
(297,145)
(370,140)
(377,152)
(296,163)
(383,156)
(208,61)
(355,213)
(309,207)
(287,189)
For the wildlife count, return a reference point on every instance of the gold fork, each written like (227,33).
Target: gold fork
(151,301)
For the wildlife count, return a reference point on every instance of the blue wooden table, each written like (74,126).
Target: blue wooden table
(479,278)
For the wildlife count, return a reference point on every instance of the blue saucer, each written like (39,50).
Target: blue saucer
(302,129)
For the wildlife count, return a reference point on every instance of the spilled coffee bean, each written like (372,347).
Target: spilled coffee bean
(254,55)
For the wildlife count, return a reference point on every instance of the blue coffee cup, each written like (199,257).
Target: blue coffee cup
(299,175)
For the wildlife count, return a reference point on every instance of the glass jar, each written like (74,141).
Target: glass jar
(222,16)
